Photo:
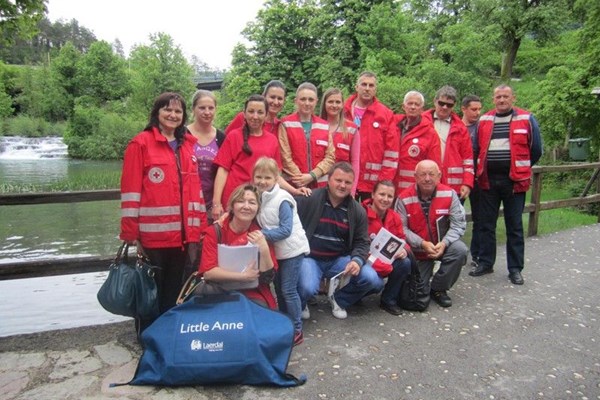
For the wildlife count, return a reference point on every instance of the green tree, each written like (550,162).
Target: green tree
(101,75)
(157,68)
(18,18)
(541,19)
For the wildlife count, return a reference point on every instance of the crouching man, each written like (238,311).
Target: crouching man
(434,221)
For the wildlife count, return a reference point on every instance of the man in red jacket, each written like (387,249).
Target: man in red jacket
(455,143)
(434,221)
(378,142)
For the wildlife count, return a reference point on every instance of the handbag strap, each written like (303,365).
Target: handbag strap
(194,280)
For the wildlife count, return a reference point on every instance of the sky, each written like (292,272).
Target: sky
(209,29)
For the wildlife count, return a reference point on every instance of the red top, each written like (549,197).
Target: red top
(210,259)
(239,164)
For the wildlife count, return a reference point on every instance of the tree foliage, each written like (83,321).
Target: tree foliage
(18,18)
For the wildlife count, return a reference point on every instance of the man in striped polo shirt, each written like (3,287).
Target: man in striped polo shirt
(509,143)
(336,228)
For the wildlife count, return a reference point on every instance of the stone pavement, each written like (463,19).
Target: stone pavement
(498,341)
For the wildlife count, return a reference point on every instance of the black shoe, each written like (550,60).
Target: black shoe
(481,270)
(391,308)
(515,277)
(442,298)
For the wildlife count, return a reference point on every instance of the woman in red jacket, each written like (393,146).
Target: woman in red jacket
(380,215)
(162,209)
(346,139)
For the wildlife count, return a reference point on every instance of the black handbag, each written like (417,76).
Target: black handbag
(414,295)
(129,289)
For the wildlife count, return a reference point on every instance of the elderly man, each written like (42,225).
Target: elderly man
(455,142)
(418,139)
(509,144)
(336,228)
(434,221)
(378,143)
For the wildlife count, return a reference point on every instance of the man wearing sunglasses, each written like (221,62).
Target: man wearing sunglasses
(509,144)
(455,143)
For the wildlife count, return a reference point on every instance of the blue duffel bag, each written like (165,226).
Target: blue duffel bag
(217,339)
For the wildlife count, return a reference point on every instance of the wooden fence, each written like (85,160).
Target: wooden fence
(28,269)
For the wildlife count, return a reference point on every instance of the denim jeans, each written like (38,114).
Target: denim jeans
(391,291)
(286,287)
(365,283)
(501,191)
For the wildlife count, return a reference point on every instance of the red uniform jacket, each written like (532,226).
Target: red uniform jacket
(161,205)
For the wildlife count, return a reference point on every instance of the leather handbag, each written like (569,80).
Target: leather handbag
(414,295)
(129,289)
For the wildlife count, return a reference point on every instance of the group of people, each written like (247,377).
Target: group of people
(311,191)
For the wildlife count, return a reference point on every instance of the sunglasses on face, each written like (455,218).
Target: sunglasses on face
(444,104)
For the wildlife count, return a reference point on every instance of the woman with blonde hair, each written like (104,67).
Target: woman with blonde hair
(346,139)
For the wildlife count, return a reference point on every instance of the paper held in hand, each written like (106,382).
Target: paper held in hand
(237,259)
(338,282)
(384,246)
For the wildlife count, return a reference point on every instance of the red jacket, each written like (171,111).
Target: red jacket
(393,223)
(457,167)
(318,152)
(520,151)
(348,149)
(426,229)
(156,197)
(379,144)
(420,143)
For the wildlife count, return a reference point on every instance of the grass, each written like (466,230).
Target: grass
(88,181)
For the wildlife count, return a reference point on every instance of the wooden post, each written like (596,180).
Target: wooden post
(536,195)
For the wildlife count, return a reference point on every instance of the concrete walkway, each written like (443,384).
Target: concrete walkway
(498,341)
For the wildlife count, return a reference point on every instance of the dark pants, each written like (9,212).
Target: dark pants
(474,199)
(391,290)
(501,191)
(168,276)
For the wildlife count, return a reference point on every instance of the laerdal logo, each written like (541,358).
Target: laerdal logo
(197,345)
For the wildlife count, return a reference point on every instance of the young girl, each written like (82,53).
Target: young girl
(281,225)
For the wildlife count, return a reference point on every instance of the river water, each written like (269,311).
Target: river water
(52,231)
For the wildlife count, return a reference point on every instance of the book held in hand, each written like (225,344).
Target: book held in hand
(337,282)
(384,246)
(237,259)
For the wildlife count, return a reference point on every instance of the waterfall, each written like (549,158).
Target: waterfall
(32,148)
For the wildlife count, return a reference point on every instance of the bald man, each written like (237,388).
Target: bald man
(434,221)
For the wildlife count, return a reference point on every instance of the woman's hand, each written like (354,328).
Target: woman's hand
(257,238)
(303,191)
(301,180)
(250,273)
(216,211)
(401,254)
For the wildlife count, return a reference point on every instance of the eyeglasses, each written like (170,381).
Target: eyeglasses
(444,104)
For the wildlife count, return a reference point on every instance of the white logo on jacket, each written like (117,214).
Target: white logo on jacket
(414,150)
(156,175)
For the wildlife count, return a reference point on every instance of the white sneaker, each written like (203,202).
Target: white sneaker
(305,313)
(336,310)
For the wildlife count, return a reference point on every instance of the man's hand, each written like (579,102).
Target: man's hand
(439,249)
(428,247)
(352,268)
